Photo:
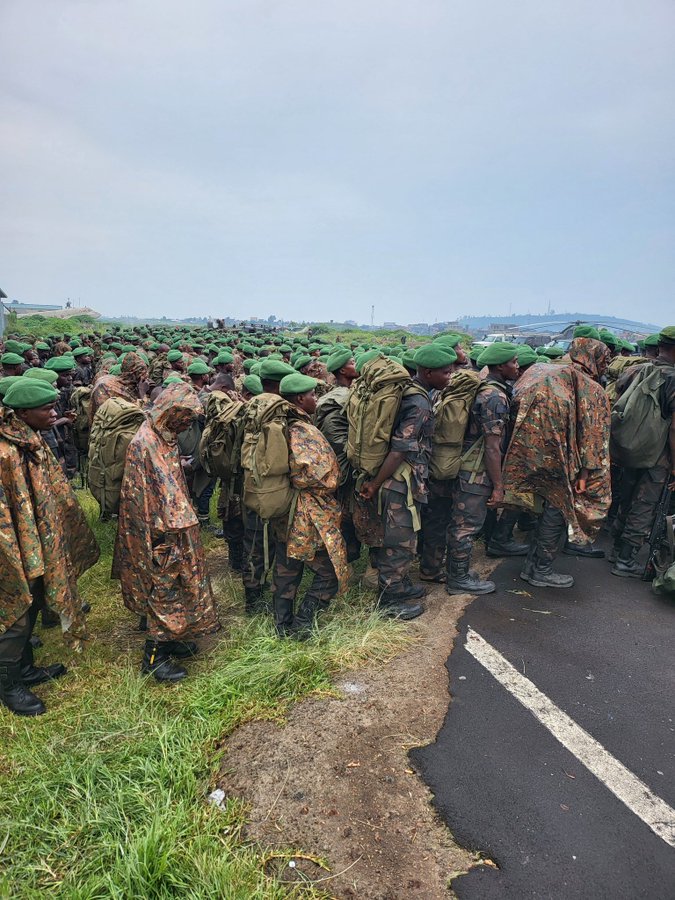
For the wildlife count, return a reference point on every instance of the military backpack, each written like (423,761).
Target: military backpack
(220,446)
(115,424)
(451,418)
(80,402)
(264,456)
(639,430)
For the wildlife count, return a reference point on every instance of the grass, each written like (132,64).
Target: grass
(105,796)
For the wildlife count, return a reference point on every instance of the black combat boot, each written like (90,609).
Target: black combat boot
(15,695)
(31,674)
(157,661)
(462,581)
(50,619)
(305,618)
(255,603)
(627,565)
(502,542)
(181,649)
(235,555)
(142,623)
(283,616)
(392,608)
(541,574)
(587,551)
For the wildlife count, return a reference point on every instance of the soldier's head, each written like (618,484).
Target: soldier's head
(342,364)
(435,364)
(272,371)
(33,401)
(200,374)
(667,344)
(501,358)
(298,389)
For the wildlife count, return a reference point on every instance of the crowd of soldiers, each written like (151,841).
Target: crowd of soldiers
(534,456)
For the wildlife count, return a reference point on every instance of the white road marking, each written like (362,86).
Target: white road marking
(653,811)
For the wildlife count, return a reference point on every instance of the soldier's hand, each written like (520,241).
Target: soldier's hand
(671,486)
(368,490)
(496,498)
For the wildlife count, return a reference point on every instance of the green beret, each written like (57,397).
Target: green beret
(247,348)
(13,347)
(174,378)
(7,382)
(297,383)
(609,339)
(274,369)
(366,358)
(28,393)
(448,340)
(75,343)
(253,384)
(223,359)
(526,355)
(174,355)
(42,346)
(248,364)
(116,370)
(553,352)
(154,346)
(116,345)
(284,348)
(435,356)
(652,340)
(82,351)
(408,359)
(338,359)
(302,361)
(48,375)
(314,347)
(587,331)
(255,368)
(60,363)
(128,348)
(497,354)
(12,359)
(667,335)
(199,368)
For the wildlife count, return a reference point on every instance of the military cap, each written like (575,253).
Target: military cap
(199,368)
(408,359)
(174,378)
(285,348)
(274,370)
(297,383)
(609,339)
(174,355)
(28,393)
(82,351)
(61,363)
(75,343)
(7,382)
(449,340)
(652,340)
(11,359)
(41,345)
(338,359)
(302,361)
(253,385)
(667,335)
(12,346)
(248,364)
(497,354)
(526,355)
(247,348)
(223,359)
(255,368)
(474,353)
(366,358)
(435,356)
(553,352)
(587,331)
(116,370)
(48,375)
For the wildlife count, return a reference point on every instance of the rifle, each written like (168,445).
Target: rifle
(661,536)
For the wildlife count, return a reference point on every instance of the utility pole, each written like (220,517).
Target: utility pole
(372,315)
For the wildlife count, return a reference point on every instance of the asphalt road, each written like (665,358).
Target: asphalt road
(603,653)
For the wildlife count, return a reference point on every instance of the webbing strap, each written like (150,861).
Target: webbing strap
(404,473)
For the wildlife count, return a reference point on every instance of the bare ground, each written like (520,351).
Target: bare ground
(336,781)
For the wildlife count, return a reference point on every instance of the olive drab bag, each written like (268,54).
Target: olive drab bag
(372,406)
(80,402)
(115,424)
(220,445)
(264,456)
(639,430)
(451,417)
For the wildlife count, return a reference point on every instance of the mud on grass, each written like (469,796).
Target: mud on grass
(105,796)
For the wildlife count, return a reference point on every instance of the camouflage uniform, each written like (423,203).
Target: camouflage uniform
(313,536)
(641,489)
(471,490)
(399,503)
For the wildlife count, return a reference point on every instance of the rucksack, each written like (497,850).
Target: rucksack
(264,456)
(616,369)
(115,424)
(220,446)
(639,431)
(80,402)
(373,404)
(451,417)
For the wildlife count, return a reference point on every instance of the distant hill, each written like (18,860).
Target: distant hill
(476,323)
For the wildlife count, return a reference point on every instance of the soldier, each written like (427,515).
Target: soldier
(12,364)
(641,489)
(46,543)
(84,372)
(313,537)
(130,384)
(159,558)
(400,484)
(479,486)
(558,459)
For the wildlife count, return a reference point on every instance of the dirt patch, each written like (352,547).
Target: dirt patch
(336,780)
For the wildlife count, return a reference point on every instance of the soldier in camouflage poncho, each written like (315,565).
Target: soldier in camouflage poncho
(45,545)
(159,557)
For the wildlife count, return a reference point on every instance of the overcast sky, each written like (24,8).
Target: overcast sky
(306,159)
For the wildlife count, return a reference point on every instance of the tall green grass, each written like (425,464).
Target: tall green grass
(105,796)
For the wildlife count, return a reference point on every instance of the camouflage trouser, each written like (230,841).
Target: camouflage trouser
(469,508)
(435,521)
(641,491)
(549,537)
(253,574)
(288,575)
(395,556)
